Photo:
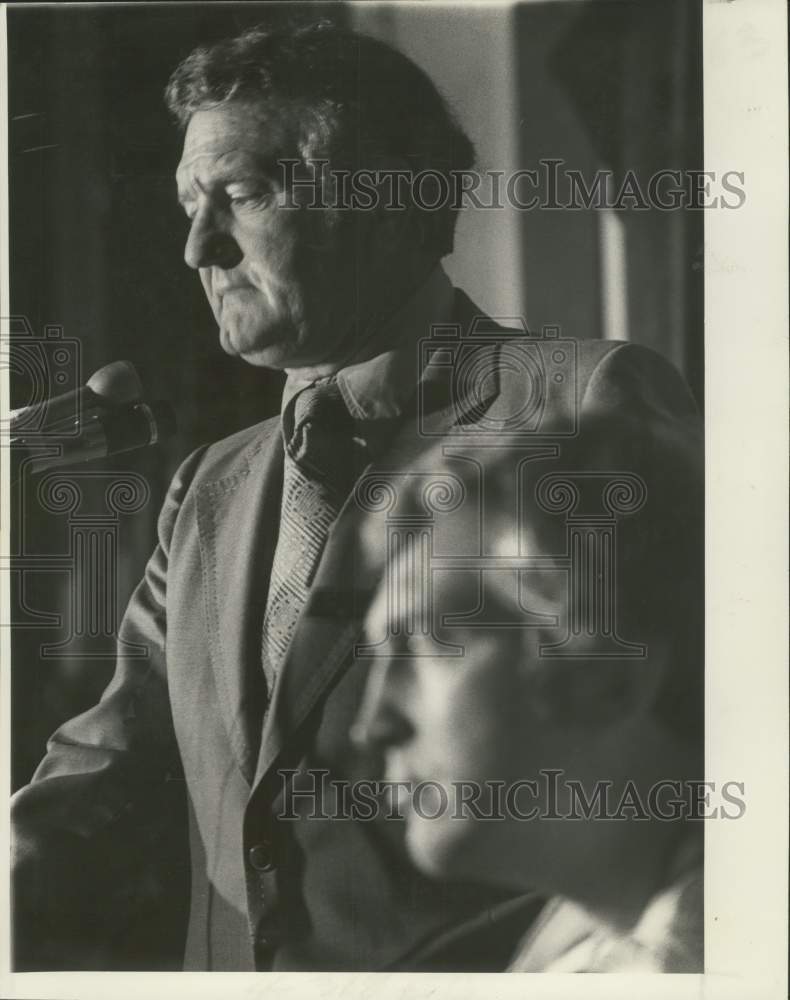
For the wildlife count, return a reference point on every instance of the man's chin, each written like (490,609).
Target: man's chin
(438,847)
(265,350)
(462,850)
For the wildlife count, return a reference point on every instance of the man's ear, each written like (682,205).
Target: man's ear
(397,223)
(602,692)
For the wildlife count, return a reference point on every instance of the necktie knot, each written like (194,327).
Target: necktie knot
(322,403)
(322,441)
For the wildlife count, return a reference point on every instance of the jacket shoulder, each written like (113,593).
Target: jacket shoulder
(588,376)
(576,377)
(631,378)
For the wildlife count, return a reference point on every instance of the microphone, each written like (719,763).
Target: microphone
(113,384)
(111,418)
(105,432)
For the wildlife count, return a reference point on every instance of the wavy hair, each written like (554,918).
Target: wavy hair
(360,102)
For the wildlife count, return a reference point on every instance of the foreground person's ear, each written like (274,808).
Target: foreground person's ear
(595,693)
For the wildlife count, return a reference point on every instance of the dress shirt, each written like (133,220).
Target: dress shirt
(378,390)
(667,937)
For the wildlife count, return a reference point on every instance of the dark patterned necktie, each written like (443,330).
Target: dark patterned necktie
(322,462)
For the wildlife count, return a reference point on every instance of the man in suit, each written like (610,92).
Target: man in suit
(151,834)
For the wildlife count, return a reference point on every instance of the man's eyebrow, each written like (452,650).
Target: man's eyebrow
(268,169)
(259,168)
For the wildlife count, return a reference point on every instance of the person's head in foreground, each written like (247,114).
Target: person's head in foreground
(291,137)
(508,712)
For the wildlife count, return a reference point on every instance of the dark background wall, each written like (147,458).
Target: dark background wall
(97,239)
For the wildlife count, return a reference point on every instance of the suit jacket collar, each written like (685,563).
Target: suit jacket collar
(379,388)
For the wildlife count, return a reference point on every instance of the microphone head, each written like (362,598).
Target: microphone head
(117,382)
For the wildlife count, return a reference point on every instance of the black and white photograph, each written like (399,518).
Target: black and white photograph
(394,518)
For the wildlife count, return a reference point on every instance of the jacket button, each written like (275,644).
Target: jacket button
(260,857)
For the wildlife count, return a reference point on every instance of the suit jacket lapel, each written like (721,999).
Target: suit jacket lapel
(237,522)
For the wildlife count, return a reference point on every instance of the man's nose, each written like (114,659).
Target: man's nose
(209,244)
(382,720)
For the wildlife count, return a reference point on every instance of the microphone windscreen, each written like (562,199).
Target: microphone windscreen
(117,382)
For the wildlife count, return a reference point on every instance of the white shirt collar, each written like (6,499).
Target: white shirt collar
(379,388)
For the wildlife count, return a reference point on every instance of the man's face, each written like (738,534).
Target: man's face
(279,280)
(468,719)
